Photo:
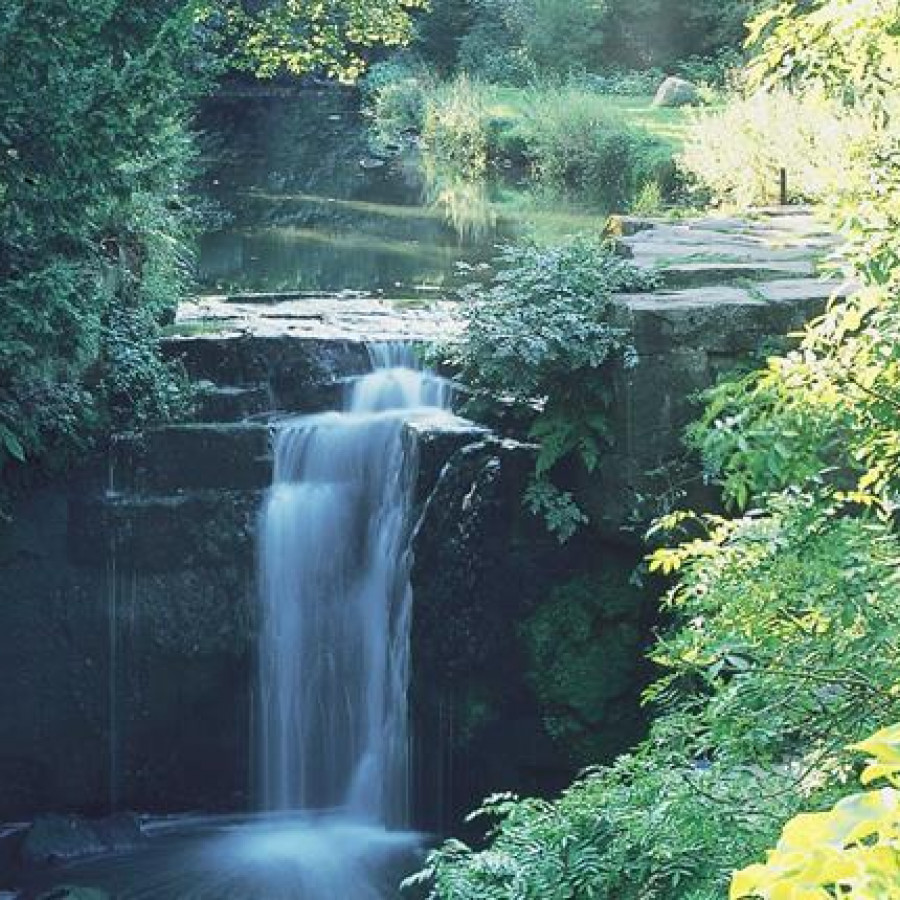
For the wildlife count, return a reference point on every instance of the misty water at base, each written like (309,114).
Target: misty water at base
(308,857)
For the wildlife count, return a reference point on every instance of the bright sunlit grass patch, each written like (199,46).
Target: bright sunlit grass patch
(669,124)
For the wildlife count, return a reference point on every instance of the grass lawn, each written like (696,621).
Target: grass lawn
(670,125)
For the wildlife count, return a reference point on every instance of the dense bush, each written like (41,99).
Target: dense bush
(94,155)
(456,130)
(738,152)
(395,96)
(574,142)
(539,336)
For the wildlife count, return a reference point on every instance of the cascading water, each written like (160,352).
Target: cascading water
(334,669)
(334,647)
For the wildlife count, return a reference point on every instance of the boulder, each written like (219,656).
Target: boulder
(676,92)
(54,839)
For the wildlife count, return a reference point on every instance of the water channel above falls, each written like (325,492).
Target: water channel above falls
(305,206)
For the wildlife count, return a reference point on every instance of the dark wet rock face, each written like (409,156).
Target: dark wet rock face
(481,563)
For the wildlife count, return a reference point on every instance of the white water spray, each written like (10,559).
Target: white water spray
(336,599)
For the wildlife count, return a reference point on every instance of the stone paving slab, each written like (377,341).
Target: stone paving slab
(338,318)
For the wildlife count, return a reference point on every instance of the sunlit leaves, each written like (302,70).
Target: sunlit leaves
(851,851)
(850,47)
(302,37)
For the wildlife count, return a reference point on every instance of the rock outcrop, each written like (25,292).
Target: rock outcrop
(676,92)
(128,613)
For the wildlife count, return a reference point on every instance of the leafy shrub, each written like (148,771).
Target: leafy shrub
(94,157)
(490,53)
(538,336)
(456,129)
(395,93)
(852,850)
(576,143)
(625,82)
(738,152)
(711,71)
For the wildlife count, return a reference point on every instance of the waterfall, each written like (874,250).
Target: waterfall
(336,598)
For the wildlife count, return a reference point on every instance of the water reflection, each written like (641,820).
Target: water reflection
(309,210)
(465,204)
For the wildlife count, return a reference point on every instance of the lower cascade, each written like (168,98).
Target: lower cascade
(334,646)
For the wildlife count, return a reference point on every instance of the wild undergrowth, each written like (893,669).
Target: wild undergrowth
(566,137)
(783,637)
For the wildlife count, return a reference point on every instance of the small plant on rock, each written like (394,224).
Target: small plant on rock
(540,334)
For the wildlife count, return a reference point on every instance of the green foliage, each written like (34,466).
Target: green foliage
(295,36)
(440,30)
(584,647)
(492,52)
(852,850)
(849,48)
(569,138)
(539,336)
(456,127)
(516,41)
(94,154)
(564,36)
(96,97)
(521,41)
(395,94)
(575,142)
(644,33)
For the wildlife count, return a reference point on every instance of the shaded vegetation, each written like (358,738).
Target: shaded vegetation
(539,335)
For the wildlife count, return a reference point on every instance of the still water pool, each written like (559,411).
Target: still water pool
(305,206)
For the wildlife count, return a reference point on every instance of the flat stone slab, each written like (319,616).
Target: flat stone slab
(716,251)
(349,318)
(798,291)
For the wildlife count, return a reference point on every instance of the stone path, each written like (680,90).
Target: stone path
(776,256)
